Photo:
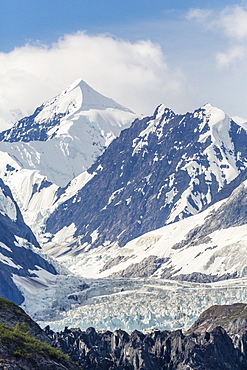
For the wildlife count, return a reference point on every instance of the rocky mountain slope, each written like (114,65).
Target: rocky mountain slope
(161,170)
(19,260)
(233,318)
(24,345)
(206,247)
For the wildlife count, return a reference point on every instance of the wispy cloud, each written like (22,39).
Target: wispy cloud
(135,74)
(231,23)
(233,54)
(198,14)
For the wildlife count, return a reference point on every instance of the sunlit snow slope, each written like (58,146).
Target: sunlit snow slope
(63,137)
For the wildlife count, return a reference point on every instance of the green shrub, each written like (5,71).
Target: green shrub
(25,345)
(21,327)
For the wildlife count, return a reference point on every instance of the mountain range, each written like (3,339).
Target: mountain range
(112,194)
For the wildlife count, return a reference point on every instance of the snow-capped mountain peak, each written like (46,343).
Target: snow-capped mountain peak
(74,128)
(77,96)
(91,99)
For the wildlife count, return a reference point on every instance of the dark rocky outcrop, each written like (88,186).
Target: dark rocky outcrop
(154,350)
(206,345)
(233,318)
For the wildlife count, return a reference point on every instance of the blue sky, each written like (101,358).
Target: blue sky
(140,52)
(30,20)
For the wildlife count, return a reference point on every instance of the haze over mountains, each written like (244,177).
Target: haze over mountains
(113,194)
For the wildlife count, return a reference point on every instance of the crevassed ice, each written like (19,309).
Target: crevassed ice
(7,206)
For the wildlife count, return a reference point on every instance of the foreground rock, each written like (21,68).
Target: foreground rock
(206,345)
(24,345)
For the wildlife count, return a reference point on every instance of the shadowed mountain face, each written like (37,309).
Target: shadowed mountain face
(17,245)
(162,169)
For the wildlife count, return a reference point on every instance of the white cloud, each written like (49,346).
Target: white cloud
(233,21)
(231,55)
(134,74)
(198,14)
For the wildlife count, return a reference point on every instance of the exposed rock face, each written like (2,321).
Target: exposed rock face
(155,350)
(231,213)
(233,318)
(143,269)
(162,169)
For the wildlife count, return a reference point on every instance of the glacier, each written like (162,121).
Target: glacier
(129,304)
(144,215)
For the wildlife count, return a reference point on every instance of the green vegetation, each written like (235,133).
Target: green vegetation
(25,345)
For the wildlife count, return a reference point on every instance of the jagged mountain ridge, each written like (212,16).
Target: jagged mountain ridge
(18,259)
(200,348)
(162,169)
(155,349)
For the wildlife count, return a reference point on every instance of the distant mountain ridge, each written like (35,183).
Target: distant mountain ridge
(162,169)
(64,136)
